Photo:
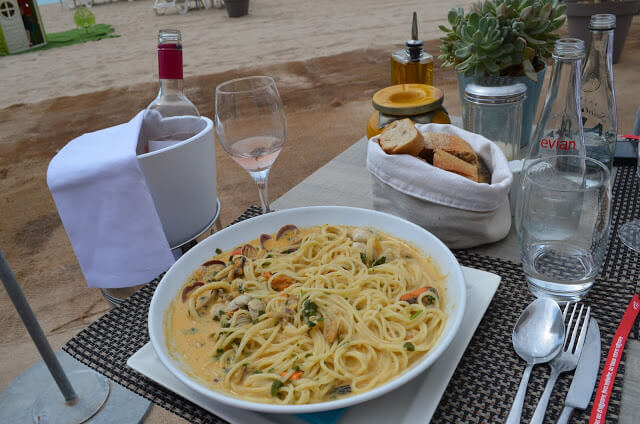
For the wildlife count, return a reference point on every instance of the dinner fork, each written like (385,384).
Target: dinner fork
(567,359)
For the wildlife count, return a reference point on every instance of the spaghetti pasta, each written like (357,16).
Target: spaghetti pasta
(308,315)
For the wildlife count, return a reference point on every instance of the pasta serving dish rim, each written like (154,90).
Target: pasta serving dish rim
(244,231)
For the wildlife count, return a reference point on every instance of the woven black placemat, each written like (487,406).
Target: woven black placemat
(481,389)
(622,262)
(487,378)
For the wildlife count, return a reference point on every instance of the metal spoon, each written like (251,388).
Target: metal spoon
(537,338)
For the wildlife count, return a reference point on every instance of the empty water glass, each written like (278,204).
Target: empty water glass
(562,219)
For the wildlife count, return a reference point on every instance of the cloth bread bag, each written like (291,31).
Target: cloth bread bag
(458,211)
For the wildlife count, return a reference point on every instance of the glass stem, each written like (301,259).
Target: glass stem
(262,178)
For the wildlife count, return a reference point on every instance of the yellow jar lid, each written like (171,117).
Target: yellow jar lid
(408,99)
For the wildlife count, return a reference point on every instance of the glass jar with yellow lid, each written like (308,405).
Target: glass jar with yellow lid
(420,102)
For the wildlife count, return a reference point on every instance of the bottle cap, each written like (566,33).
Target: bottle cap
(602,22)
(169,54)
(170,36)
(488,92)
(414,46)
(408,99)
(568,48)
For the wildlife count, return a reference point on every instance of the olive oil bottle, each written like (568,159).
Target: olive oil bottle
(413,64)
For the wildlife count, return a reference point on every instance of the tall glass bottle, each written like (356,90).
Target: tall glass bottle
(558,132)
(171,100)
(559,129)
(598,99)
(412,64)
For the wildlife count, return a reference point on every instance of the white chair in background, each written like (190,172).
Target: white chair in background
(181,6)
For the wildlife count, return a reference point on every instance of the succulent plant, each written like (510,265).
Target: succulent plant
(501,37)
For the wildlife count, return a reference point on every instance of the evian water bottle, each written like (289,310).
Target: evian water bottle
(559,129)
(558,136)
(599,114)
(171,101)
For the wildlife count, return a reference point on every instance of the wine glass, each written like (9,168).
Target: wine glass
(629,233)
(251,126)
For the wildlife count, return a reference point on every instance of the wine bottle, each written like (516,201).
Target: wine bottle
(171,100)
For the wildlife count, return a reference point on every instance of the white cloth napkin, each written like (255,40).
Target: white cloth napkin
(458,211)
(106,208)
(159,133)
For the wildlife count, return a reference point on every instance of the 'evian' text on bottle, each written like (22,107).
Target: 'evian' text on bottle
(547,143)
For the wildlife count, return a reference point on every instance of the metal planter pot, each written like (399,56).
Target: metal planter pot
(237,8)
(530,104)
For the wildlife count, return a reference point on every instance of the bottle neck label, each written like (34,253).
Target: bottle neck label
(169,61)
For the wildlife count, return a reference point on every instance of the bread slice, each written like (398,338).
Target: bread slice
(449,143)
(401,137)
(448,162)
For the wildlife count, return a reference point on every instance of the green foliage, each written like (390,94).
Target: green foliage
(84,18)
(501,37)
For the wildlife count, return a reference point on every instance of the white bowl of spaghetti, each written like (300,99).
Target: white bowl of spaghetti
(309,309)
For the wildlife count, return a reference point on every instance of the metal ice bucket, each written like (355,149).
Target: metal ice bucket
(182,182)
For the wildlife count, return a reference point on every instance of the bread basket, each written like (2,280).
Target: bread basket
(461,212)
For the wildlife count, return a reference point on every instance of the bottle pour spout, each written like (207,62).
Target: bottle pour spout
(414,46)
(414,27)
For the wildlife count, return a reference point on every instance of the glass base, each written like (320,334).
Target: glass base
(561,293)
(629,234)
(92,390)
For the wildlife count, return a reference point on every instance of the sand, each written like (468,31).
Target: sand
(328,58)
(275,31)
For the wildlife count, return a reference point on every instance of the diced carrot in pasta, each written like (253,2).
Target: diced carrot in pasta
(413,294)
(295,376)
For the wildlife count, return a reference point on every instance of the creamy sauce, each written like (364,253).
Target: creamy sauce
(192,340)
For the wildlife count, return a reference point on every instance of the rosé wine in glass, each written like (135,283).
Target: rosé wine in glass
(251,126)
(256,153)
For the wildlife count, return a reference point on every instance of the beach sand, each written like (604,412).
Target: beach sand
(327,57)
(275,31)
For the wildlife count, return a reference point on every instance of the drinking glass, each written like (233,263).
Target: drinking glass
(251,126)
(629,233)
(563,219)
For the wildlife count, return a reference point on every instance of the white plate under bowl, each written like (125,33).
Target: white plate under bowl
(232,236)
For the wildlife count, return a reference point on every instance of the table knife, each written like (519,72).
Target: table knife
(585,376)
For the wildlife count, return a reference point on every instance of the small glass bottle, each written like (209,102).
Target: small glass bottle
(559,129)
(598,98)
(413,64)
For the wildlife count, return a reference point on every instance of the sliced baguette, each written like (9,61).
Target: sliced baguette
(450,144)
(448,162)
(401,137)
